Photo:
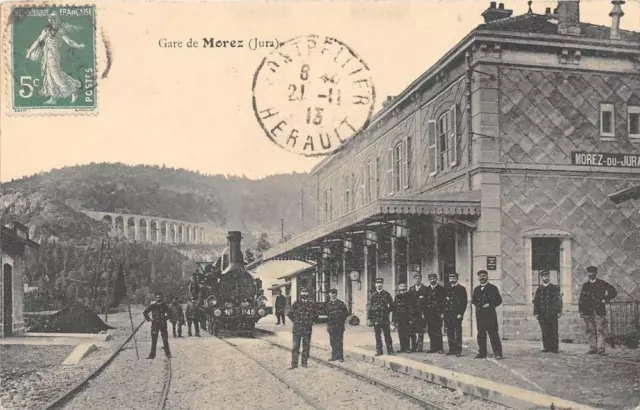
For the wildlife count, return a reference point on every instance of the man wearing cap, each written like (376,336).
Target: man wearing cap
(486,298)
(594,296)
(380,306)
(337,314)
(418,296)
(433,313)
(303,312)
(402,318)
(160,313)
(454,306)
(194,285)
(547,308)
(281,303)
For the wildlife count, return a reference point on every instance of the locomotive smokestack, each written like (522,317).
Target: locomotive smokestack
(236,260)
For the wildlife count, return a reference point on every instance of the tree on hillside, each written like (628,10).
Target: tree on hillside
(250,256)
(263,242)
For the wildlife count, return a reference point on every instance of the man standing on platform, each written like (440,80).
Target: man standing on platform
(433,314)
(486,298)
(177,317)
(280,304)
(402,319)
(455,304)
(380,307)
(547,308)
(594,296)
(418,297)
(303,312)
(337,314)
(160,313)
(193,316)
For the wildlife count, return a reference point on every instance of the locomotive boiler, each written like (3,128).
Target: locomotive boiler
(234,303)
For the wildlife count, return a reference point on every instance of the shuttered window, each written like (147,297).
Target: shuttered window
(376,178)
(453,137)
(347,195)
(398,166)
(390,171)
(407,163)
(432,147)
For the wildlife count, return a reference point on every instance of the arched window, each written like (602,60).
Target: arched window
(442,141)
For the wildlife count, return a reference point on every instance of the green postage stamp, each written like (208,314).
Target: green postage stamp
(53,59)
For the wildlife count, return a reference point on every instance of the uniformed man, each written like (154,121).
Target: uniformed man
(192,317)
(403,314)
(201,314)
(303,312)
(177,317)
(380,307)
(418,297)
(160,313)
(454,306)
(594,296)
(433,313)
(337,314)
(547,308)
(280,304)
(194,285)
(486,298)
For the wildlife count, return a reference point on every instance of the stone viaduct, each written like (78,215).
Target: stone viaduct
(151,228)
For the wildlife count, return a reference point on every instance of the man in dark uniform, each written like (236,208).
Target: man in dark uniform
(194,285)
(547,308)
(594,296)
(486,298)
(402,319)
(201,314)
(303,312)
(454,306)
(177,317)
(337,313)
(380,306)
(418,296)
(192,316)
(160,313)
(433,313)
(280,304)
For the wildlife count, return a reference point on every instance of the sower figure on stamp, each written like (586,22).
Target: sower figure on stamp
(547,308)
(160,313)
(380,307)
(402,319)
(280,304)
(337,314)
(594,296)
(192,317)
(433,313)
(303,312)
(418,296)
(177,317)
(486,298)
(454,306)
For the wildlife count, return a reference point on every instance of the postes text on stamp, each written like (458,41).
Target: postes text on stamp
(53,59)
(312,94)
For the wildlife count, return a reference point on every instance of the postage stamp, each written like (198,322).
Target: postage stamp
(312,94)
(53,59)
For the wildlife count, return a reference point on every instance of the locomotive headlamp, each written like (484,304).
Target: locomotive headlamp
(261,312)
(217,312)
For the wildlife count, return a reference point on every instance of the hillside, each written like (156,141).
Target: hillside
(49,200)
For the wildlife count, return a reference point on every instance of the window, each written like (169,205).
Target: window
(633,121)
(545,254)
(371,183)
(398,171)
(326,205)
(607,120)
(400,160)
(347,192)
(443,140)
(432,147)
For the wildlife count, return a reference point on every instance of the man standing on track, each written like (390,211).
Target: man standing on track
(192,316)
(337,313)
(280,304)
(380,307)
(303,312)
(486,298)
(177,317)
(160,314)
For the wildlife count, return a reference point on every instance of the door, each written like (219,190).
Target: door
(446,252)
(7,299)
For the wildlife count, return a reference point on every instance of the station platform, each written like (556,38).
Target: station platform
(526,378)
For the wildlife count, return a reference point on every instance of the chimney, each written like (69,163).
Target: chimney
(388,100)
(615,15)
(493,13)
(547,11)
(569,17)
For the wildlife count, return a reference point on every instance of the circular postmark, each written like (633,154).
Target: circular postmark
(312,94)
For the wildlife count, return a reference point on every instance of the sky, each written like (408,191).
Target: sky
(191,108)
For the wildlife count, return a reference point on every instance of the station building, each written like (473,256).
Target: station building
(502,156)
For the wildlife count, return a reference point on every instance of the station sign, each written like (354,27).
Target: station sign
(492,262)
(599,159)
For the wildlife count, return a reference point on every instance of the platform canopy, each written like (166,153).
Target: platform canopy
(461,206)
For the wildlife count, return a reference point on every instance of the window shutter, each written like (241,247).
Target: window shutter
(376,188)
(353,191)
(407,162)
(453,137)
(364,183)
(390,171)
(432,150)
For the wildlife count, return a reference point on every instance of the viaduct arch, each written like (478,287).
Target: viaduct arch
(151,228)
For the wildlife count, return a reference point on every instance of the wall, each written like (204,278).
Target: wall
(18,293)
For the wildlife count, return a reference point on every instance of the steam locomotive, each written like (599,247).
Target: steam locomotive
(233,299)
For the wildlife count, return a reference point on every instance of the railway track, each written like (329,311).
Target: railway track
(67,396)
(421,401)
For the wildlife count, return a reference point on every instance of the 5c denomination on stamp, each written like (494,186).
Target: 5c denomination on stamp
(53,59)
(313,94)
